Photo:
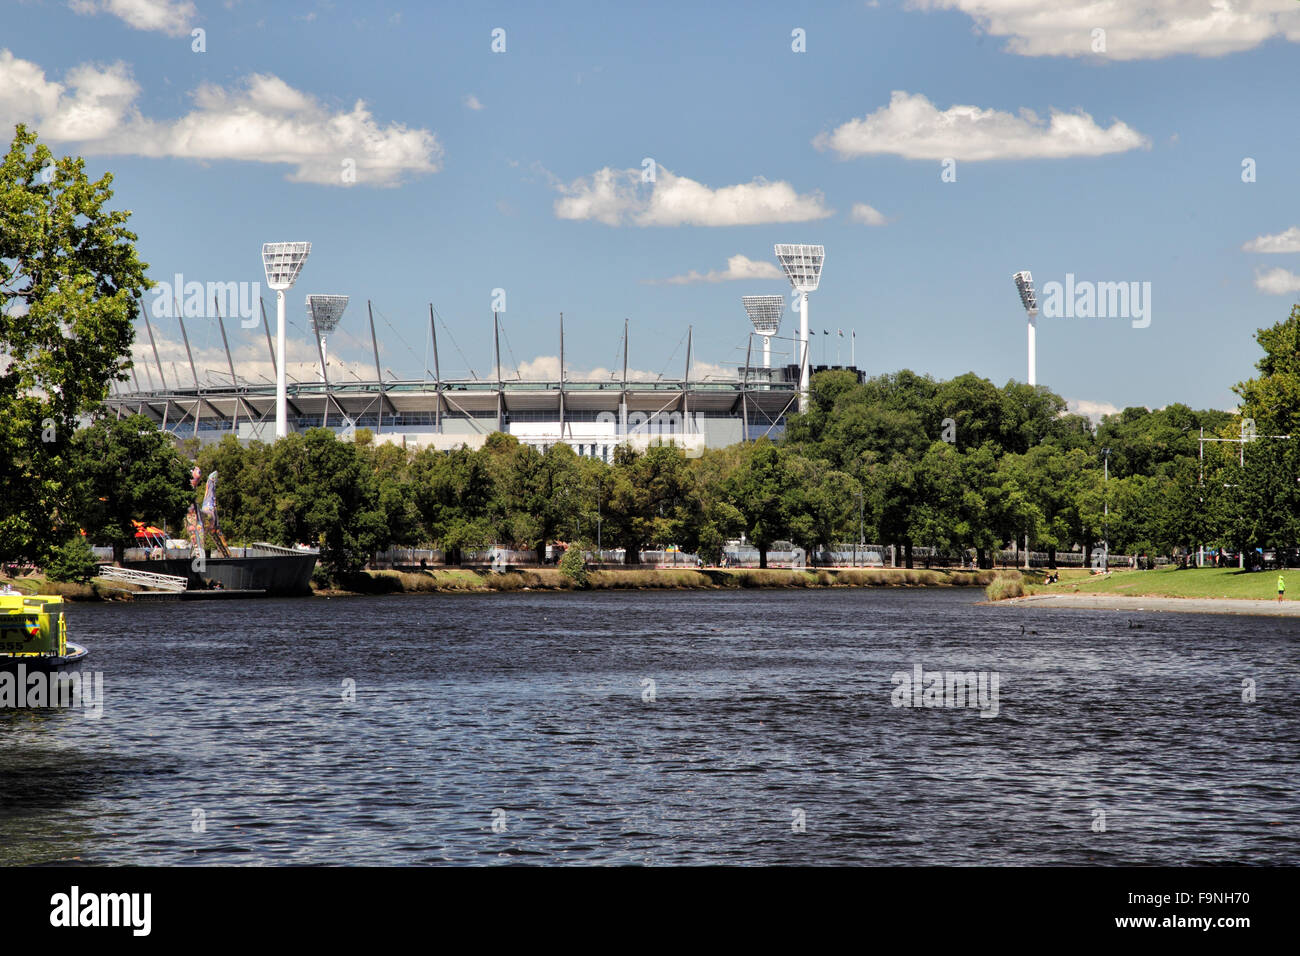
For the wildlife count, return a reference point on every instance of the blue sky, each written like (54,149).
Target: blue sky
(520,170)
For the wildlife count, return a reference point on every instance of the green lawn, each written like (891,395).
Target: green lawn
(1172,582)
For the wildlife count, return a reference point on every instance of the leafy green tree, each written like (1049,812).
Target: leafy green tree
(1272,398)
(718,519)
(762,496)
(72,561)
(125,470)
(322,495)
(573,565)
(651,498)
(387,473)
(454,495)
(68,279)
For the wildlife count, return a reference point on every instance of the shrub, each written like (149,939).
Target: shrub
(1003,587)
(573,565)
(73,561)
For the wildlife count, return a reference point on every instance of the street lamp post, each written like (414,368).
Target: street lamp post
(1105,524)
(862,540)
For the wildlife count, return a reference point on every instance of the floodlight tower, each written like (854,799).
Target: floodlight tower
(1025,284)
(282,262)
(325,311)
(765,312)
(802,265)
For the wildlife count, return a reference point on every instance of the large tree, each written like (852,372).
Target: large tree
(69,276)
(123,471)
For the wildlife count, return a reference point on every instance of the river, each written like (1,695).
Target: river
(750,727)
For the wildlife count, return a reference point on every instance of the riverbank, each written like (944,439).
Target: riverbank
(453,580)
(1206,583)
(1184,590)
(1120,602)
(550,579)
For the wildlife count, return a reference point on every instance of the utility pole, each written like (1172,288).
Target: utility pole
(1105,546)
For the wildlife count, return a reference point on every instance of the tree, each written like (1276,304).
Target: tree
(121,471)
(455,498)
(761,497)
(72,561)
(322,494)
(68,279)
(1272,399)
(651,498)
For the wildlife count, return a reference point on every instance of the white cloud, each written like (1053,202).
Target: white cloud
(617,197)
(867,215)
(1134,31)
(914,128)
(264,120)
(1090,409)
(472,102)
(1277,282)
(546,368)
(1288,241)
(173,17)
(738,267)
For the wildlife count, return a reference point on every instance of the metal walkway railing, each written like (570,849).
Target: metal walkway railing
(147,579)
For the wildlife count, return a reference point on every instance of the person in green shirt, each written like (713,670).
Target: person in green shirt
(1281,587)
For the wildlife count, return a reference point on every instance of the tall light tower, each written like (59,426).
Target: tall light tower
(1025,284)
(765,312)
(802,265)
(325,311)
(282,262)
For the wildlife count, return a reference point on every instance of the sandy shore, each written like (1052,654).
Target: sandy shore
(1117,602)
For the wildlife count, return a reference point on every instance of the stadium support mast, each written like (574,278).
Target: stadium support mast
(802,265)
(1028,298)
(282,262)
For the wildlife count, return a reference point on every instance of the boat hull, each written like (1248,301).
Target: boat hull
(279,574)
(74,657)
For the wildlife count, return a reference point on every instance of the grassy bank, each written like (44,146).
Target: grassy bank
(95,590)
(452,580)
(549,579)
(1208,583)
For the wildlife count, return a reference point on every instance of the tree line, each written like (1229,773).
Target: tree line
(900,459)
(958,466)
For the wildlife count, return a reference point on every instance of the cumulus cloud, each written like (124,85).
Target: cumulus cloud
(173,17)
(1288,241)
(472,102)
(738,267)
(546,368)
(867,215)
(914,128)
(618,197)
(1277,281)
(263,120)
(1090,409)
(1133,31)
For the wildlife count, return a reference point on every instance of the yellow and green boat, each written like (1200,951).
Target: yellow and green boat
(33,632)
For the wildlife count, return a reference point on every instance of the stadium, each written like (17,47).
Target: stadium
(593,416)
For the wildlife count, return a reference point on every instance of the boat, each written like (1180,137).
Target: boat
(207,562)
(34,633)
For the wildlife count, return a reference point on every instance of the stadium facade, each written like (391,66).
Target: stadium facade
(593,417)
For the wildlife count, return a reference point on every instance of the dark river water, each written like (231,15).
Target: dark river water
(509,728)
